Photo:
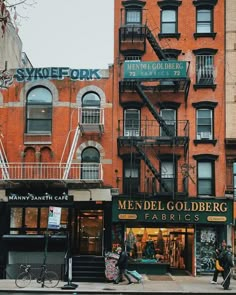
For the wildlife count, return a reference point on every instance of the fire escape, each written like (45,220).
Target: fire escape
(157,137)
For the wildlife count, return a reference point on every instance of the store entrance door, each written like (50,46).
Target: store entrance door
(89,233)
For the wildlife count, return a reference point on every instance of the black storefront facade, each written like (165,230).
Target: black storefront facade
(85,228)
(163,235)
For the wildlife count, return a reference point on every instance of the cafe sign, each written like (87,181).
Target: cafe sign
(202,211)
(155,70)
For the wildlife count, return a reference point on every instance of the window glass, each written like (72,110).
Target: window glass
(16,218)
(133,16)
(90,163)
(39,111)
(204,21)
(132,122)
(91,99)
(205,178)
(91,108)
(167,175)
(204,124)
(131,176)
(169,116)
(168,24)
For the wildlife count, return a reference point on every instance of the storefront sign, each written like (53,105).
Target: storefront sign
(155,70)
(190,211)
(39,198)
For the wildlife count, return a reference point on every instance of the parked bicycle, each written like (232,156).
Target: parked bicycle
(46,278)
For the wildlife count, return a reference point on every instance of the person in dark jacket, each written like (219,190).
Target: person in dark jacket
(227,264)
(218,253)
(122,264)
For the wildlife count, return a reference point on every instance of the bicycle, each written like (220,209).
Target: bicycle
(47,278)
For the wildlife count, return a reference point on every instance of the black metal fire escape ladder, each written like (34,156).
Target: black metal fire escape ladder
(156,47)
(151,167)
(152,109)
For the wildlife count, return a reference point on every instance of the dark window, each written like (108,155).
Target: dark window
(131,176)
(205,178)
(90,164)
(91,108)
(169,116)
(39,111)
(168,176)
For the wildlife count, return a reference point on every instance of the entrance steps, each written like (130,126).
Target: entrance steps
(88,268)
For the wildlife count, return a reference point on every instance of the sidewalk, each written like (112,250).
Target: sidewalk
(162,285)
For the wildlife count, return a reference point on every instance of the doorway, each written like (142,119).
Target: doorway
(89,232)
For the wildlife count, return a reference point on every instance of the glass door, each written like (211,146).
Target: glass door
(89,236)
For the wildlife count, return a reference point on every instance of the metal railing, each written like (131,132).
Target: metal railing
(80,172)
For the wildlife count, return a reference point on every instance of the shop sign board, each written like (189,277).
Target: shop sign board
(54,217)
(195,211)
(155,70)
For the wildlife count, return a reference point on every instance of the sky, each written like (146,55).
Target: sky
(68,33)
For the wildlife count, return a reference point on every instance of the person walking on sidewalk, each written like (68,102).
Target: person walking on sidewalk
(219,254)
(122,264)
(227,264)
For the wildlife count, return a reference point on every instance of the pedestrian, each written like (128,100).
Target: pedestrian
(219,253)
(122,264)
(227,264)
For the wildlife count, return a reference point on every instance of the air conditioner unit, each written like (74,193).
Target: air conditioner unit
(114,191)
(204,135)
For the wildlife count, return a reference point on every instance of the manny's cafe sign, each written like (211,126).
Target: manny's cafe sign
(188,211)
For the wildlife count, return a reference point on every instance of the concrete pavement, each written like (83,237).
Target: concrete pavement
(166,284)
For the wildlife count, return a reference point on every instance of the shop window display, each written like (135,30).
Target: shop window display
(33,220)
(161,245)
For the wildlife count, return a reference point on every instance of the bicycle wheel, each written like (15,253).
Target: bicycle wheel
(51,279)
(23,280)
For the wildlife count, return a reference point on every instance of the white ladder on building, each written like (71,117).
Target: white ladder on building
(72,151)
(3,162)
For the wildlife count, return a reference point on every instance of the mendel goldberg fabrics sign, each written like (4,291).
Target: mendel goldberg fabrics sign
(189,211)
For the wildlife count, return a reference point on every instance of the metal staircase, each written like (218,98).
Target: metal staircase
(153,111)
(71,154)
(151,167)
(156,47)
(3,162)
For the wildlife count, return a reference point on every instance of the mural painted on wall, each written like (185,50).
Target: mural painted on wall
(35,74)
(205,249)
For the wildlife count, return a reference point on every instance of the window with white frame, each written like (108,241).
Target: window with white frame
(169,21)
(204,21)
(39,111)
(205,178)
(204,124)
(131,122)
(169,116)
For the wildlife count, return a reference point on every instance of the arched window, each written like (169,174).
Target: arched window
(90,163)
(91,108)
(39,111)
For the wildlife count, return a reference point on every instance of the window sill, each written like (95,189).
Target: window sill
(204,35)
(171,35)
(205,141)
(204,86)
(33,138)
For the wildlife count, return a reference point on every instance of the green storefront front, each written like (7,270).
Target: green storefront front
(163,235)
